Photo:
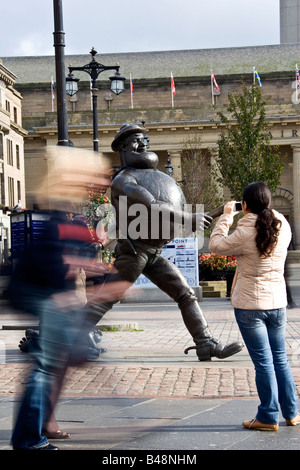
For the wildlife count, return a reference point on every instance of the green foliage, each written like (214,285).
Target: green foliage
(244,151)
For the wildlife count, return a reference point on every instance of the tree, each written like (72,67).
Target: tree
(198,185)
(244,151)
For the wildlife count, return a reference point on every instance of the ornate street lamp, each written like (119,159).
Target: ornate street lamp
(169,168)
(71,85)
(117,85)
(94,69)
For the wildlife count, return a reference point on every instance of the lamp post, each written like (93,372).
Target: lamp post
(94,69)
(59,45)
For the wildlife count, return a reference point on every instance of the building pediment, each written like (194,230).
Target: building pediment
(6,76)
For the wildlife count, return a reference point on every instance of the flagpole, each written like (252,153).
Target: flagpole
(131,92)
(212,89)
(296,84)
(254,82)
(52,98)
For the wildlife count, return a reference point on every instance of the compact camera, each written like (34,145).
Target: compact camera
(238,207)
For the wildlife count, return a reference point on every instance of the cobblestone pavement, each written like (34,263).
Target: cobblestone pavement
(147,359)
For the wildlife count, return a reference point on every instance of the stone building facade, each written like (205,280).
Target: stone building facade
(194,112)
(289,21)
(12,173)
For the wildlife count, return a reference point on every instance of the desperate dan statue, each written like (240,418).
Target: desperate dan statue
(141,183)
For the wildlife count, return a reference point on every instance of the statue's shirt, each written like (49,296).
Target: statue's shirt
(147,188)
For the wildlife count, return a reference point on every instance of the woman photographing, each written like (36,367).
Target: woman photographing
(260,244)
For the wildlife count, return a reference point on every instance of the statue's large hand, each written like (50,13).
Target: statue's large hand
(203,220)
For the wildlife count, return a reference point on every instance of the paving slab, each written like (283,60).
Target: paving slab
(157,425)
(145,397)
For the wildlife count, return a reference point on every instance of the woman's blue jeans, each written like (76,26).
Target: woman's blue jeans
(263,332)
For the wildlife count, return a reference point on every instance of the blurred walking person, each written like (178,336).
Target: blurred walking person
(46,284)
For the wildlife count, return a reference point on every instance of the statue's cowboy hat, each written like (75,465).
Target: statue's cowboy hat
(124,132)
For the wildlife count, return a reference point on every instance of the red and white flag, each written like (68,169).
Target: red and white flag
(173,89)
(173,85)
(214,81)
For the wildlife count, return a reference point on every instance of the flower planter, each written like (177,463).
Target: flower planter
(214,267)
(206,274)
(229,280)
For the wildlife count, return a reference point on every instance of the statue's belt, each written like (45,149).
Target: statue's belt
(133,244)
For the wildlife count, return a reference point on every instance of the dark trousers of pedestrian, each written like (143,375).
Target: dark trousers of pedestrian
(59,331)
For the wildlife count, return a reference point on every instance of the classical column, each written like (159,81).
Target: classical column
(175,158)
(296,191)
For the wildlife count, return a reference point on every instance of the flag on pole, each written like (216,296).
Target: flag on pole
(52,91)
(173,85)
(131,92)
(214,85)
(214,81)
(297,83)
(256,76)
(297,77)
(173,89)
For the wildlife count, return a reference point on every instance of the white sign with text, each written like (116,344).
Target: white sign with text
(183,252)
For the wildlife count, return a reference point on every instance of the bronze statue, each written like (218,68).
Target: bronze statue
(140,184)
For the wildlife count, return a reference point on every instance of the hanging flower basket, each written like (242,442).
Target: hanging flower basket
(98,208)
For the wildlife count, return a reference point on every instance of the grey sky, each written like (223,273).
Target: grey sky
(135,26)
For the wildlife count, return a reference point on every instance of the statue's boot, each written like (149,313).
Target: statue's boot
(30,342)
(205,345)
(95,337)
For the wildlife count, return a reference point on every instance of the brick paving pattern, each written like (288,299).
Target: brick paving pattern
(150,362)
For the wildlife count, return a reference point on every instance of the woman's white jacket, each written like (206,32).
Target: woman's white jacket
(260,283)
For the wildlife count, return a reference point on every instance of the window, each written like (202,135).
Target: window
(2,195)
(9,148)
(7,106)
(11,192)
(1,146)
(18,156)
(15,115)
(19,190)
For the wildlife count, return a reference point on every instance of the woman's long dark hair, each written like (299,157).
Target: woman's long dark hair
(258,199)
